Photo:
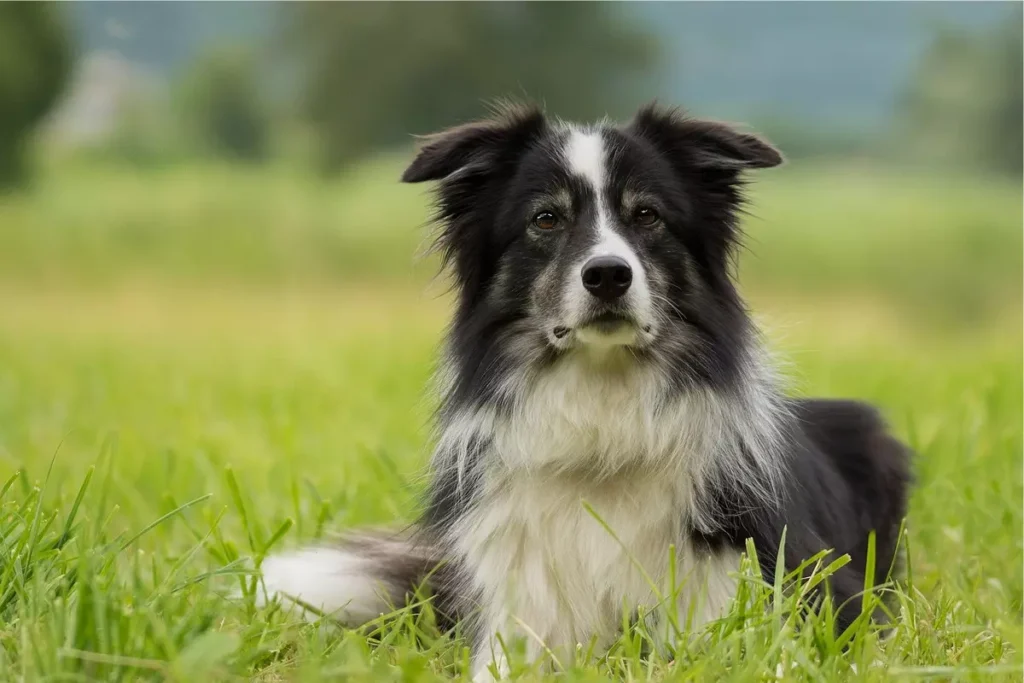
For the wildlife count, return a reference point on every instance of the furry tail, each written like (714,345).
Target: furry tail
(354,580)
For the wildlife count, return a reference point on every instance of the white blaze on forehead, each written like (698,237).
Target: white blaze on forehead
(585,155)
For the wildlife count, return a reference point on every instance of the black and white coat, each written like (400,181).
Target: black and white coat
(605,398)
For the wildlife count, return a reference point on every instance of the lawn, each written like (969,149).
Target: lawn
(178,395)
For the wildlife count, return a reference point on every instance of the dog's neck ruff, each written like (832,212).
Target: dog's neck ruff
(593,421)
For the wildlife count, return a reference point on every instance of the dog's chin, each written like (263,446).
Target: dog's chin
(608,332)
(604,331)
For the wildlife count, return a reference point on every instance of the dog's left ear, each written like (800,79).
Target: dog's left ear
(705,144)
(474,145)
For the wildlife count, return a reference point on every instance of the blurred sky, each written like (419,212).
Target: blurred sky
(840,63)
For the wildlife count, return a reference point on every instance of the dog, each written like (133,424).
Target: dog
(609,422)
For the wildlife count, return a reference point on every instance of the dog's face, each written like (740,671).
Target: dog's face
(566,238)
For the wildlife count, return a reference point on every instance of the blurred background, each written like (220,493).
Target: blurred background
(260,143)
(213,287)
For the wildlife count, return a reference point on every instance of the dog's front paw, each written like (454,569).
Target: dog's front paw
(488,670)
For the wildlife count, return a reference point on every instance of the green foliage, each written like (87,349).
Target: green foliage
(223,108)
(144,136)
(966,104)
(35,61)
(374,72)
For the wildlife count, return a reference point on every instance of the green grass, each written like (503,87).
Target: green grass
(191,375)
(946,247)
(153,440)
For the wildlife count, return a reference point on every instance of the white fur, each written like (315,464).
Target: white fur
(599,430)
(552,573)
(584,151)
(584,154)
(332,581)
(603,413)
(594,429)
(590,430)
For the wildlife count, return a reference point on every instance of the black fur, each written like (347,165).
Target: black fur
(844,476)
(826,471)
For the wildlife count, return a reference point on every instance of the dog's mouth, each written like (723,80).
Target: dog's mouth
(606,328)
(608,322)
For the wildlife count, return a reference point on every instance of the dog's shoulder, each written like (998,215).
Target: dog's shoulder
(856,439)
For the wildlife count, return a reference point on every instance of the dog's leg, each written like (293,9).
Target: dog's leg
(704,592)
(502,631)
(489,663)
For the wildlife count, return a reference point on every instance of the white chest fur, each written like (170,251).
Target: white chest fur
(585,502)
(562,563)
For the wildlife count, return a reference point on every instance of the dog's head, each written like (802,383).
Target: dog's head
(573,238)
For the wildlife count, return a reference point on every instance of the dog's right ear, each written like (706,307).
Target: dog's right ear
(477,144)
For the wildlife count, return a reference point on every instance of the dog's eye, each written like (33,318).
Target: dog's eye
(546,220)
(645,216)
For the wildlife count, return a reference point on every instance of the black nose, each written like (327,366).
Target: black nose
(607,277)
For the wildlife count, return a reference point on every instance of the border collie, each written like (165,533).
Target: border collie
(609,422)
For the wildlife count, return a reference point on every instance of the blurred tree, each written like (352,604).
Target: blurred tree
(965,105)
(35,62)
(145,134)
(375,72)
(222,105)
